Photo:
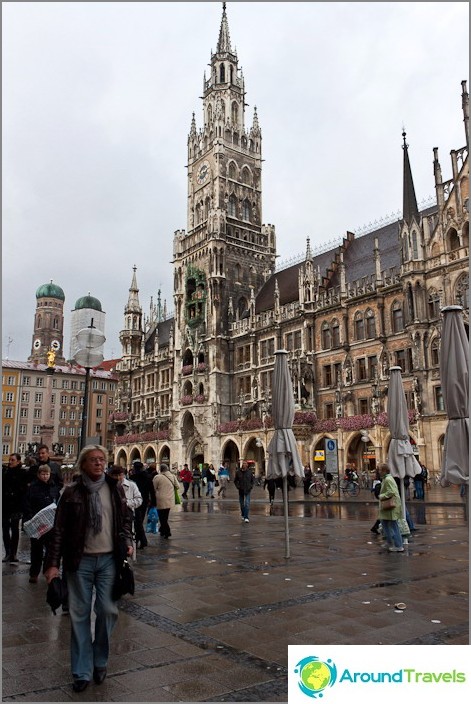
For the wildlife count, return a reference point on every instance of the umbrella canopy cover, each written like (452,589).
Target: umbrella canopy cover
(283,456)
(454,373)
(401,458)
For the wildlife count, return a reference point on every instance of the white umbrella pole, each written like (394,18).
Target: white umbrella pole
(285,508)
(405,539)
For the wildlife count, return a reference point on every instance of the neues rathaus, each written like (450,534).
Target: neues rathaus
(196,387)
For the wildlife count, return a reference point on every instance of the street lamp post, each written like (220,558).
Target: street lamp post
(88,339)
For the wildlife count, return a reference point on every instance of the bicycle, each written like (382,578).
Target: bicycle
(349,487)
(321,486)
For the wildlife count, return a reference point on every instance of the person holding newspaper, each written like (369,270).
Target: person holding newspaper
(42,492)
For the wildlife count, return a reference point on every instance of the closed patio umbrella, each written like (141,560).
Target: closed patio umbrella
(401,458)
(454,374)
(283,453)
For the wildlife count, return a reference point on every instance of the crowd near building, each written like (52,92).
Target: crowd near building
(195,386)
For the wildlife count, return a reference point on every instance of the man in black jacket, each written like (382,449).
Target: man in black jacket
(14,482)
(144,483)
(44,458)
(244,481)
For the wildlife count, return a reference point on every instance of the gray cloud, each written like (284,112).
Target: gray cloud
(97,104)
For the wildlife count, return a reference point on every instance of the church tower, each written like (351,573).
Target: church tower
(48,331)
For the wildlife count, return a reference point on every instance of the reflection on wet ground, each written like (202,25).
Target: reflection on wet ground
(422,513)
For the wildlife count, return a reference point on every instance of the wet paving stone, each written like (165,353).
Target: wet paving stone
(212,617)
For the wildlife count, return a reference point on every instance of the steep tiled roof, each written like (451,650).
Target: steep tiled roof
(164,335)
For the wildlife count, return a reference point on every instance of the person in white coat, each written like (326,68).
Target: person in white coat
(165,484)
(131,491)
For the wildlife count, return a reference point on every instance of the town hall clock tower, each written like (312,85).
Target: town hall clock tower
(226,254)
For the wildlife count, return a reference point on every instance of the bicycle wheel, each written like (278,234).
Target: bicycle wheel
(330,490)
(353,489)
(315,489)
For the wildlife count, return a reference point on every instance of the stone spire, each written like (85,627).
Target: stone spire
(409,204)
(224,41)
(133,305)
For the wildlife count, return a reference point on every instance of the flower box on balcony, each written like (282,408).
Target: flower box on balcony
(187,369)
(200,398)
(201,367)
(186,400)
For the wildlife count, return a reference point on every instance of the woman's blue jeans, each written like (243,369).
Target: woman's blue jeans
(94,571)
(392,533)
(244,500)
(210,488)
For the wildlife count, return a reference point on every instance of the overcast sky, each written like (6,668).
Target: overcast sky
(97,106)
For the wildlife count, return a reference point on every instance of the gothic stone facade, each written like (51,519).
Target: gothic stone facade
(197,386)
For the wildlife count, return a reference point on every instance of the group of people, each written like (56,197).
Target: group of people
(205,476)
(91,535)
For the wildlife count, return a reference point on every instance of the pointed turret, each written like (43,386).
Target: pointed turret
(465,106)
(224,41)
(409,205)
(133,305)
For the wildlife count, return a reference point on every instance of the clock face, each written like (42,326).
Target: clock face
(55,345)
(37,344)
(202,173)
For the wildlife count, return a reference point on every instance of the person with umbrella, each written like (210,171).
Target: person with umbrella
(389,516)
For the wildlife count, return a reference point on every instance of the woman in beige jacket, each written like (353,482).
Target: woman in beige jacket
(165,484)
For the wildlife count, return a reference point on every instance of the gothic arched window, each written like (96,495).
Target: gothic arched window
(246,175)
(335,334)
(232,170)
(397,317)
(359,325)
(39,321)
(222,73)
(435,353)
(433,304)
(210,114)
(453,239)
(246,210)
(370,324)
(462,291)
(235,113)
(197,214)
(206,208)
(232,206)
(415,246)
(326,337)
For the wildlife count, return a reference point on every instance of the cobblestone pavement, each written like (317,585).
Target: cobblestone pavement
(217,605)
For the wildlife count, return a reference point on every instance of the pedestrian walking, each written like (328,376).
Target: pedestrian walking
(141,477)
(196,481)
(91,533)
(270,484)
(307,479)
(389,516)
(224,478)
(41,493)
(14,484)
(131,491)
(186,476)
(44,458)
(244,481)
(165,484)
(211,480)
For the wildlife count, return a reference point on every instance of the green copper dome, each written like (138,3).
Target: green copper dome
(50,290)
(88,302)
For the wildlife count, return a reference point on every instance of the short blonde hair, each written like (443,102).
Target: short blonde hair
(383,466)
(85,451)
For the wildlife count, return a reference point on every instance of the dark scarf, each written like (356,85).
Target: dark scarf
(94,501)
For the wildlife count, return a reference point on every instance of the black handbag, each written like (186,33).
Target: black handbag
(57,593)
(124,580)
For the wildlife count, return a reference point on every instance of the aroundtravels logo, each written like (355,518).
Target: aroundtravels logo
(315,675)
(388,672)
